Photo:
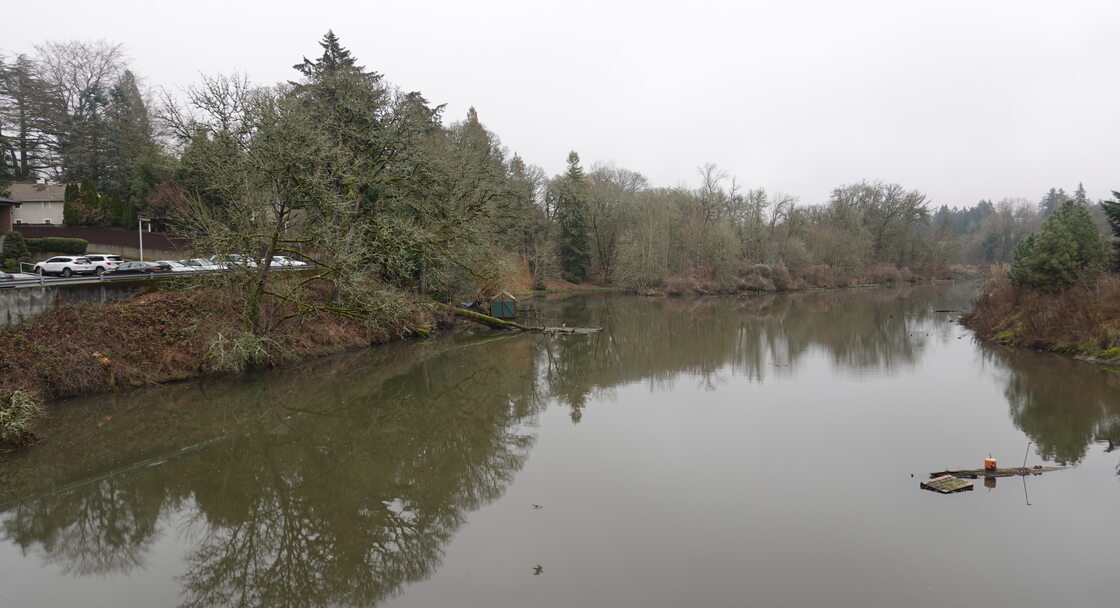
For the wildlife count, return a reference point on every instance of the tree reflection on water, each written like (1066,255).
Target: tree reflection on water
(1063,405)
(341,481)
(324,493)
(707,339)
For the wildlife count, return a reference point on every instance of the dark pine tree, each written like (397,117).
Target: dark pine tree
(570,200)
(1052,201)
(335,57)
(1080,196)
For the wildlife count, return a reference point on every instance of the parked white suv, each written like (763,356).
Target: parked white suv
(104,262)
(65,265)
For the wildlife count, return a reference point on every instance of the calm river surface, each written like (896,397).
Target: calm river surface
(699,452)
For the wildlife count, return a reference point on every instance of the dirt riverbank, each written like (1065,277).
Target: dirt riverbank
(176,335)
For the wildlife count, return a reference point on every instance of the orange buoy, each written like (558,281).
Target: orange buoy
(990,464)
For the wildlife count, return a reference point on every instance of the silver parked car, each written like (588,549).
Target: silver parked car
(233,260)
(283,260)
(65,265)
(200,264)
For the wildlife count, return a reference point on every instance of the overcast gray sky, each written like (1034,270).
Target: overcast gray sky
(961,99)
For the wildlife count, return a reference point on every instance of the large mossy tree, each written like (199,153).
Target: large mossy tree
(342,168)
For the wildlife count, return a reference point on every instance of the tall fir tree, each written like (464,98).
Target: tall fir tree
(335,57)
(133,160)
(26,108)
(72,205)
(1052,201)
(1080,196)
(569,202)
(84,140)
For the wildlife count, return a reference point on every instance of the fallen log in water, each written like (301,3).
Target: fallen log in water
(978,473)
(497,323)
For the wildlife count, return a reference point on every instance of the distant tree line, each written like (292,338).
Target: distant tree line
(342,166)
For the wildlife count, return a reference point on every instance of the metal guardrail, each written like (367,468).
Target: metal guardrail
(38,280)
(49,281)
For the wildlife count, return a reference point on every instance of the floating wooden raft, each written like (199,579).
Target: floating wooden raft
(978,473)
(946,484)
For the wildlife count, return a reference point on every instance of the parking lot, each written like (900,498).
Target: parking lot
(215,264)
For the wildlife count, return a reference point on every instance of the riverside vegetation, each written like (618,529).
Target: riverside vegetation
(398,209)
(1059,293)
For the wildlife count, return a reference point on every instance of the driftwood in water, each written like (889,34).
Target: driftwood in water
(978,473)
(497,323)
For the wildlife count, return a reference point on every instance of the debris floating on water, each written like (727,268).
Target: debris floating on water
(978,473)
(946,484)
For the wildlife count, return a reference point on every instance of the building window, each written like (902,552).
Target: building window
(47,221)
(18,222)
(46,205)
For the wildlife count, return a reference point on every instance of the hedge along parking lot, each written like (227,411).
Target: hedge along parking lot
(59,245)
(18,248)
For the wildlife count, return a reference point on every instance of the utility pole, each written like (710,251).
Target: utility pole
(140,229)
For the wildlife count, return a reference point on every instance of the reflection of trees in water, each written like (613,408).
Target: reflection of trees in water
(342,502)
(108,527)
(340,482)
(706,339)
(1061,404)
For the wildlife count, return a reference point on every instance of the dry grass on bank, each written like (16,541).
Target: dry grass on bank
(165,336)
(1082,320)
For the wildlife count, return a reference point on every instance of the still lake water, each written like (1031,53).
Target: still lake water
(699,452)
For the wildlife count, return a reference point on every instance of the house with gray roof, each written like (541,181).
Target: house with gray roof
(38,203)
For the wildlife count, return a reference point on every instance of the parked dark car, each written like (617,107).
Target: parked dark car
(138,268)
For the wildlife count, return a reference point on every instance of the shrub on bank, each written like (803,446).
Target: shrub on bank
(185,333)
(1083,319)
(13,252)
(18,412)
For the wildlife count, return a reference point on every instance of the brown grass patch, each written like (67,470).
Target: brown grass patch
(1082,320)
(164,336)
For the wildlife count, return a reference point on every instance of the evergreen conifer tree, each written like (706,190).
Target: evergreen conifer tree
(569,201)
(72,205)
(91,209)
(1112,214)
(1052,201)
(335,57)
(1080,196)
(1068,247)
(26,107)
(1092,249)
